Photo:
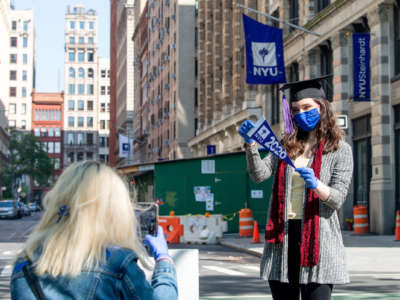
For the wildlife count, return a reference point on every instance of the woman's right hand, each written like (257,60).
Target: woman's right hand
(244,129)
(157,245)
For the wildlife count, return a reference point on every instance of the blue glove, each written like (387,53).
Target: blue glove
(244,129)
(157,244)
(308,175)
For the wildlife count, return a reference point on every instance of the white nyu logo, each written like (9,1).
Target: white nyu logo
(263,132)
(264,59)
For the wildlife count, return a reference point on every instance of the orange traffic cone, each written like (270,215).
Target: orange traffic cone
(397,231)
(256,234)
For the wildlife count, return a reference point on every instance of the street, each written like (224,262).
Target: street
(224,273)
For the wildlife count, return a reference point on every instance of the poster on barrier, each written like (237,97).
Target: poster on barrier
(210,202)
(201,193)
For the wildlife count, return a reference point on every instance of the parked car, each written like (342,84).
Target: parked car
(10,209)
(26,210)
(33,206)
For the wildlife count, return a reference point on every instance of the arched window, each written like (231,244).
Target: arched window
(90,73)
(81,73)
(71,73)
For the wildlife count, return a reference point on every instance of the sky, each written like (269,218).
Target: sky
(49,26)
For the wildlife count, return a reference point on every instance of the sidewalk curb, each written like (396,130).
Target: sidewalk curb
(248,251)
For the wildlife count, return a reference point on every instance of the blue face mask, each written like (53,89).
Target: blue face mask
(307,120)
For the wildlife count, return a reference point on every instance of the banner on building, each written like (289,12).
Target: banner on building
(264,53)
(361,66)
(263,134)
(125,146)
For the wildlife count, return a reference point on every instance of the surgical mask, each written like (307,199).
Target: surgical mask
(307,120)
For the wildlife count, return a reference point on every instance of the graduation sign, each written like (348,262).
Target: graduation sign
(263,134)
(264,53)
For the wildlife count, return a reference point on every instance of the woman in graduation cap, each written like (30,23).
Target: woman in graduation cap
(304,252)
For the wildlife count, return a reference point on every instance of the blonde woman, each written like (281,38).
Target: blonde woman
(86,245)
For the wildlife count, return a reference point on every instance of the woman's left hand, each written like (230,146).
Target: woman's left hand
(309,177)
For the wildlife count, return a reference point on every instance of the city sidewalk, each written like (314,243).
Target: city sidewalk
(365,253)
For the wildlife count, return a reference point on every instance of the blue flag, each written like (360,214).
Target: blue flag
(264,53)
(361,56)
(263,134)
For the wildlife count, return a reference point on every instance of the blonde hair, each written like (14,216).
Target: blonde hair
(101,215)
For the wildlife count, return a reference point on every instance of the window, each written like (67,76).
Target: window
(13,41)
(91,25)
(13,25)
(81,105)
(26,25)
(275,104)
(57,147)
(25,42)
(79,156)
(71,89)
(81,89)
(80,138)
(70,138)
(71,105)
(23,124)
(108,107)
(90,105)
(81,40)
(108,90)
(397,149)
(71,73)
(294,13)
(90,90)
(58,130)
(90,73)
(89,138)
(13,92)
(321,4)
(23,109)
(90,56)
(103,73)
(108,73)
(51,147)
(102,141)
(71,157)
(81,56)
(57,164)
(24,75)
(89,155)
(396,35)
(11,108)
(71,24)
(102,90)
(43,131)
(36,131)
(89,121)
(81,25)
(90,40)
(81,73)
(13,58)
(71,121)
(25,59)
(24,92)
(80,121)
(71,56)
(72,40)
(102,107)
(13,75)
(51,131)
(11,123)
(102,124)
(326,65)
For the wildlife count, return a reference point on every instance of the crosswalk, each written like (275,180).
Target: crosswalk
(8,256)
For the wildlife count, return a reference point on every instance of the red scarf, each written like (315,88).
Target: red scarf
(274,232)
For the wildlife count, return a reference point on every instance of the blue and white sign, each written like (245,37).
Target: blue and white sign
(264,53)
(361,64)
(211,149)
(263,134)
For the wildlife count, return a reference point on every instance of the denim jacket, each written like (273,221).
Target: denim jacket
(119,278)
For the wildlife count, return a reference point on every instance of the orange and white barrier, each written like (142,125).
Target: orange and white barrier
(172,228)
(245,222)
(360,219)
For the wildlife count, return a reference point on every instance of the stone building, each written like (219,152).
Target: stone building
(225,101)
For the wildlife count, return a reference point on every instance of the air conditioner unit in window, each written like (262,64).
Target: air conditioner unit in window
(173,46)
(167,58)
(173,105)
(173,16)
(158,97)
(148,15)
(173,75)
(167,142)
(166,86)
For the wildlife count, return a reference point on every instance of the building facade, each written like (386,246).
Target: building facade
(103,108)
(47,126)
(80,85)
(165,121)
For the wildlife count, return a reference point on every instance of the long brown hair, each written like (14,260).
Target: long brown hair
(326,128)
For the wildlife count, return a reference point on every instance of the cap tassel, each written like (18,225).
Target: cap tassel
(287,117)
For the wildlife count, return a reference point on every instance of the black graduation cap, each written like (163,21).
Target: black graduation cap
(312,88)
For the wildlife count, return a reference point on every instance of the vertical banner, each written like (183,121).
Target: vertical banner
(264,53)
(125,146)
(263,134)
(361,66)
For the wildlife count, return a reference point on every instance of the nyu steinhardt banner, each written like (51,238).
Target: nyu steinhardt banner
(263,134)
(361,54)
(264,53)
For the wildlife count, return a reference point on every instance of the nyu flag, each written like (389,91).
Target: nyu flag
(125,146)
(264,53)
(263,134)
(361,56)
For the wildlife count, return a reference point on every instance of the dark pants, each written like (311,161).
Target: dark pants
(292,290)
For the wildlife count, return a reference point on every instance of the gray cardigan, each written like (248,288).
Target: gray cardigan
(336,172)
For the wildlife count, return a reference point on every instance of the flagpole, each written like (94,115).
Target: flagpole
(278,20)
